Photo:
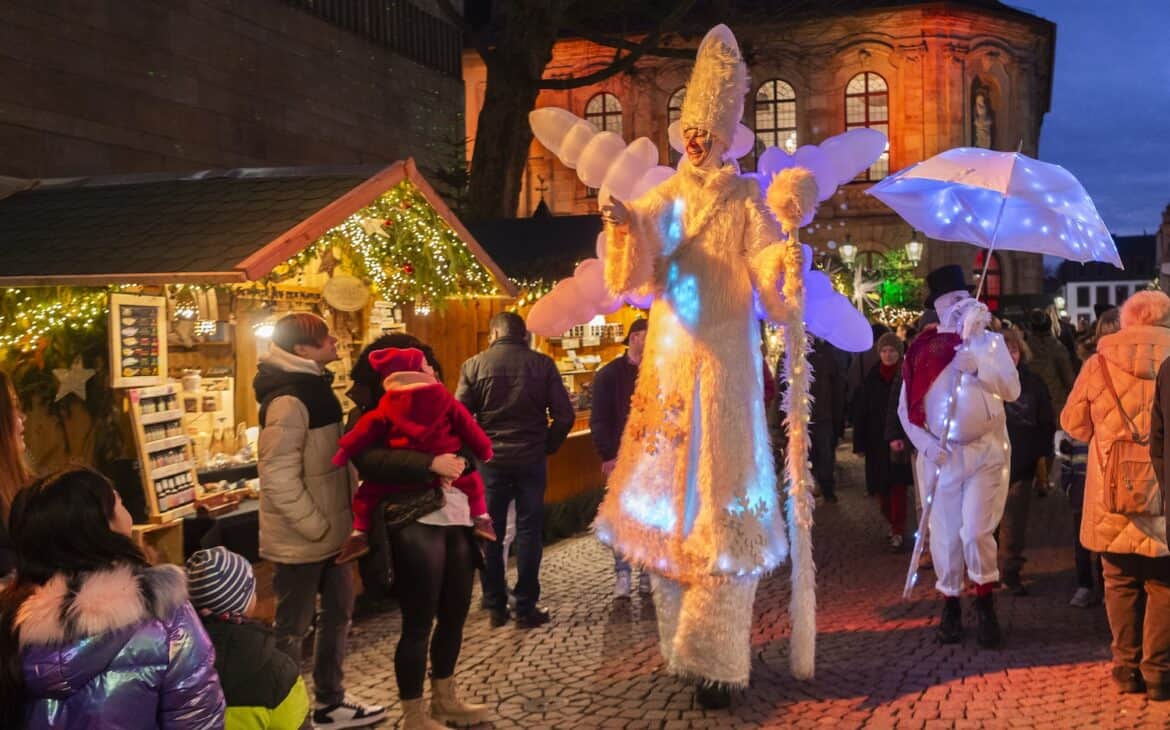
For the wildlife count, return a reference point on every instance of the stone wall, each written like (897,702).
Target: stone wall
(130,86)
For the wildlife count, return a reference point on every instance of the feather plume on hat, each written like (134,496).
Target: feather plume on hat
(718,84)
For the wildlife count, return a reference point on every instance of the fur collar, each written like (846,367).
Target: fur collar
(405,379)
(65,609)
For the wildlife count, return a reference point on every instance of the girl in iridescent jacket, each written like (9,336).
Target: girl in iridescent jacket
(90,634)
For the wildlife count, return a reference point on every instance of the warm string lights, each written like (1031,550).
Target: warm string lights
(28,315)
(404,248)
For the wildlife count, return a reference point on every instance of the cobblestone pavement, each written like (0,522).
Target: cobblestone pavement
(597,664)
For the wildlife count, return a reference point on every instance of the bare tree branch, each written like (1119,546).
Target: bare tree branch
(634,53)
(476,38)
(624,45)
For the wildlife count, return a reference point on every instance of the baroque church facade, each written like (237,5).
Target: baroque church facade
(929,75)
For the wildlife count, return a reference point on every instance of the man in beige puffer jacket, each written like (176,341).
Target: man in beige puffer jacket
(1135,560)
(305,507)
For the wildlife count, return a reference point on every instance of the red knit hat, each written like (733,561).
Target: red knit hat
(395,360)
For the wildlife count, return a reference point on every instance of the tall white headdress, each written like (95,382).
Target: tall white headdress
(719,82)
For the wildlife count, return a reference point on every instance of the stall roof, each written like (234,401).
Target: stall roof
(214,226)
(541,247)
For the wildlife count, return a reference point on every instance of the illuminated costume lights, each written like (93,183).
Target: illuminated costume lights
(693,496)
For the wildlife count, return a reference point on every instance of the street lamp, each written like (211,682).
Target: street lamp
(914,250)
(848,252)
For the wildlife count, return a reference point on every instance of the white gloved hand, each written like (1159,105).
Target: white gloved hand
(936,454)
(966,361)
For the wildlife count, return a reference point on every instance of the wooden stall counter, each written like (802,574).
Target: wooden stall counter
(575,483)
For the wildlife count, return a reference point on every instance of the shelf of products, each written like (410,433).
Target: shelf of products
(164,452)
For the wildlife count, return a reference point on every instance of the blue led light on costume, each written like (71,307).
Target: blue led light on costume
(650,511)
(683,293)
(672,234)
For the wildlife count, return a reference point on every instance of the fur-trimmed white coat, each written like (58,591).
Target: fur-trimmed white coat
(693,494)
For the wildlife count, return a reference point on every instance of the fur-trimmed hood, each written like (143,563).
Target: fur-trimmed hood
(94,616)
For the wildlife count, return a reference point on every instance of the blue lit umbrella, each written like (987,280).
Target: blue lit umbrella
(1000,200)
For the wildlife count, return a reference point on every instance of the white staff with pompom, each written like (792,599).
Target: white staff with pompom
(792,194)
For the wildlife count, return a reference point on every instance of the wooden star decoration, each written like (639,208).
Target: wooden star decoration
(328,262)
(72,379)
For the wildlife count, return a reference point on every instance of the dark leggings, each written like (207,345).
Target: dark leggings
(433,571)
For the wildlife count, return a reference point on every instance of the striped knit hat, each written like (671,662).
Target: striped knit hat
(220,581)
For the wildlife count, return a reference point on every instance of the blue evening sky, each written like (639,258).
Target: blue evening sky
(1110,118)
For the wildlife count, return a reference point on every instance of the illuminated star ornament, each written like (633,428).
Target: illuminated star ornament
(375,227)
(72,379)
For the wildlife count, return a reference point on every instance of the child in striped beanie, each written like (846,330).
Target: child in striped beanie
(262,685)
(220,582)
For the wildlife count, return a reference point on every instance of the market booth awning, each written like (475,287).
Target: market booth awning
(209,227)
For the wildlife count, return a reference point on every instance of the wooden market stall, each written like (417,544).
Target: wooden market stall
(134,310)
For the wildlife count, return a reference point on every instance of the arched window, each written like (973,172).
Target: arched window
(993,287)
(673,112)
(605,111)
(775,116)
(867,104)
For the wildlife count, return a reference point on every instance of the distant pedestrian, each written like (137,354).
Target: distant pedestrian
(518,398)
(827,422)
(887,461)
(613,387)
(1050,360)
(1031,424)
(1109,407)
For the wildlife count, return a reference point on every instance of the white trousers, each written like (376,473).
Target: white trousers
(705,629)
(968,503)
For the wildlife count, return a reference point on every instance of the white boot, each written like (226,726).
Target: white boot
(415,716)
(446,706)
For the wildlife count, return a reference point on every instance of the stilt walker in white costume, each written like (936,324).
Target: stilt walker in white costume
(693,496)
(956,378)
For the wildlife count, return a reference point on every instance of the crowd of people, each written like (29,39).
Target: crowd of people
(103,636)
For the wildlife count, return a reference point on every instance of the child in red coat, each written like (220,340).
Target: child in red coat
(418,413)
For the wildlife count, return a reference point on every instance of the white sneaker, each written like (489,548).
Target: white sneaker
(644,583)
(347,714)
(1083,598)
(621,585)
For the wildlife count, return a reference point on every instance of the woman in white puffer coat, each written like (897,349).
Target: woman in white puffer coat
(1131,540)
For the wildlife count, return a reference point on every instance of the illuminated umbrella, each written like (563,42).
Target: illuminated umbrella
(1000,200)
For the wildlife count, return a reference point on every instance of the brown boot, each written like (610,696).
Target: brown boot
(416,717)
(484,529)
(355,546)
(446,706)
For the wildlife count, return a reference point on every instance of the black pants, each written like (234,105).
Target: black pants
(433,571)
(823,455)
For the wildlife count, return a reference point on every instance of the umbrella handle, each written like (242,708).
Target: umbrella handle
(928,491)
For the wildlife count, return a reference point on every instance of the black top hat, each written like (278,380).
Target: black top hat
(944,280)
(638,325)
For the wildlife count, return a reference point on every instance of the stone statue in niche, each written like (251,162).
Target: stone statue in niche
(982,116)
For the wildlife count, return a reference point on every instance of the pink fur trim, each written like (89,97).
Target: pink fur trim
(107,600)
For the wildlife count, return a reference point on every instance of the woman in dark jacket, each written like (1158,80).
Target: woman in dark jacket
(432,556)
(887,468)
(1031,424)
(92,636)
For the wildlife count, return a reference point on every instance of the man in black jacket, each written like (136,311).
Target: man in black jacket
(514,391)
(613,386)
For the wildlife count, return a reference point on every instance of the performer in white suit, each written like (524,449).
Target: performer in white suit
(693,494)
(961,371)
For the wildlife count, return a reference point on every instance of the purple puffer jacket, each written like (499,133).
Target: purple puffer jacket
(118,649)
